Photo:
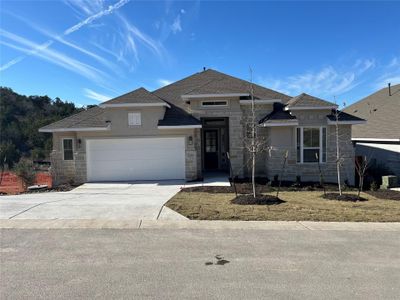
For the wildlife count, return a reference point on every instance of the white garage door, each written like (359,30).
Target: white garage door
(135,159)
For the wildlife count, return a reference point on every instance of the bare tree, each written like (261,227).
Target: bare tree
(253,142)
(285,157)
(321,175)
(338,154)
(361,169)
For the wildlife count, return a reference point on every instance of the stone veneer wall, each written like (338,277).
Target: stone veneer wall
(234,113)
(309,172)
(261,111)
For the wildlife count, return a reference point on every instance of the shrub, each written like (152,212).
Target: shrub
(24,169)
(374,186)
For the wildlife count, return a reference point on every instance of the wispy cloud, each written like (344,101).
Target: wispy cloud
(42,51)
(96,16)
(62,40)
(155,46)
(163,82)
(87,7)
(176,25)
(328,81)
(390,73)
(96,96)
(88,20)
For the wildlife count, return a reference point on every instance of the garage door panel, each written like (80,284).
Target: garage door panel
(136,159)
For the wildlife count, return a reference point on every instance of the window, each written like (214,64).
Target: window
(68,149)
(134,119)
(214,103)
(311,144)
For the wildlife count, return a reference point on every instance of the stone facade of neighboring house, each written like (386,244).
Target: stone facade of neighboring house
(186,130)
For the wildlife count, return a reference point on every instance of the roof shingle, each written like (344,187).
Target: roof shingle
(382,113)
(305,100)
(140,96)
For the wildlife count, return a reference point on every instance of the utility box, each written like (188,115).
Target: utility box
(389,182)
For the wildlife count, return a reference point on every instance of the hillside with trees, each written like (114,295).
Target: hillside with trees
(20,118)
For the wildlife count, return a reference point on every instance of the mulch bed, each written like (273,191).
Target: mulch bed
(385,194)
(343,197)
(246,188)
(259,200)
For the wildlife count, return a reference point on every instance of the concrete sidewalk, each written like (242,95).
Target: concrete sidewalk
(195,224)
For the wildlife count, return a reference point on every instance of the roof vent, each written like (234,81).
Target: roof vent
(204,68)
(390,92)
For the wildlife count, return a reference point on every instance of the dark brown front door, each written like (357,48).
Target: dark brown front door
(211,149)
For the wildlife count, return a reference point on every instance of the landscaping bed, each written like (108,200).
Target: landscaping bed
(343,197)
(295,206)
(385,194)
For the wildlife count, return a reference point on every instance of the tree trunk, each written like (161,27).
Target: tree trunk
(338,155)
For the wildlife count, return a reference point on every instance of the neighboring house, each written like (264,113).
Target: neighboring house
(379,138)
(187,128)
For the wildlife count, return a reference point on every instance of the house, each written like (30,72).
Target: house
(185,129)
(379,138)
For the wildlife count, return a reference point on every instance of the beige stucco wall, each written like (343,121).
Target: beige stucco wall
(268,163)
(75,170)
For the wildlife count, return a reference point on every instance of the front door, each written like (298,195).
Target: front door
(211,149)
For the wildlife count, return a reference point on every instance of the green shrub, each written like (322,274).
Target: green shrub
(24,169)
(374,186)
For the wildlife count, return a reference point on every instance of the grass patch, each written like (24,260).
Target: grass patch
(298,206)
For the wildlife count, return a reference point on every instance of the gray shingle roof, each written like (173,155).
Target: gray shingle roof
(305,100)
(342,116)
(176,116)
(278,115)
(140,95)
(382,113)
(93,118)
(213,82)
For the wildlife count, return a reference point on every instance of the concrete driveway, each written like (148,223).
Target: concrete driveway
(138,200)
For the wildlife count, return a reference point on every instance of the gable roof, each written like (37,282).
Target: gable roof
(213,82)
(304,100)
(343,117)
(176,116)
(278,116)
(92,118)
(138,96)
(382,113)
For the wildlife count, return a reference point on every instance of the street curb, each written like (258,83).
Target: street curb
(197,224)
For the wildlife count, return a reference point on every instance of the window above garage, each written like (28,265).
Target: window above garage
(214,103)
(134,119)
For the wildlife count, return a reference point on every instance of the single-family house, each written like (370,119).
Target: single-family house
(186,129)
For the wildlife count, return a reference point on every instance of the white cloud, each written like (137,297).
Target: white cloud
(328,81)
(135,33)
(390,74)
(96,96)
(183,11)
(89,20)
(52,56)
(176,25)
(96,16)
(164,82)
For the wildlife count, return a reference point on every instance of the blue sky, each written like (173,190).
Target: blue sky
(87,51)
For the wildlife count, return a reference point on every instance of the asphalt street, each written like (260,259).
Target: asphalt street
(199,264)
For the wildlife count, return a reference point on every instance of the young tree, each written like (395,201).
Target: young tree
(339,157)
(254,143)
(361,169)
(285,157)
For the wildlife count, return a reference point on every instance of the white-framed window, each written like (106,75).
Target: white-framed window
(311,144)
(134,119)
(68,148)
(214,103)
